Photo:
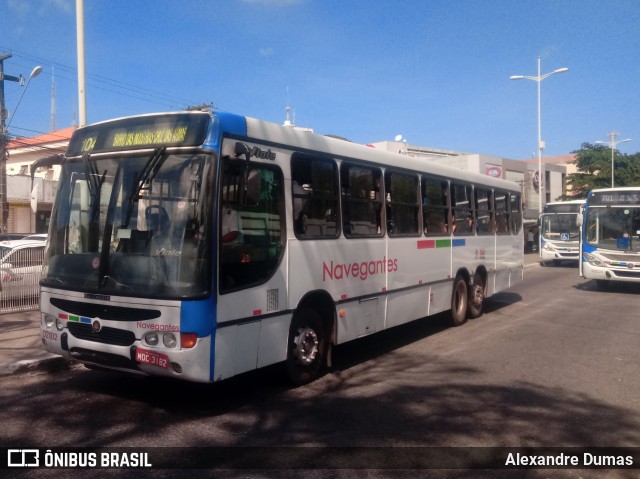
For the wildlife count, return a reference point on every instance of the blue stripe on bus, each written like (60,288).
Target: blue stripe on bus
(458,242)
(227,124)
(200,316)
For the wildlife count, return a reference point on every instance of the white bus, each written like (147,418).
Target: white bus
(560,232)
(610,236)
(202,245)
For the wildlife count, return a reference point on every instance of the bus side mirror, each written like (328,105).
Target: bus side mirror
(242,150)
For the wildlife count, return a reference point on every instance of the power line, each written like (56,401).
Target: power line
(122,88)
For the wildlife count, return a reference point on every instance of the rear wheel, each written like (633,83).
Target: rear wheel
(476,297)
(306,347)
(459,301)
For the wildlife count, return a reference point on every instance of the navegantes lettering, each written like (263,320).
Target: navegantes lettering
(337,271)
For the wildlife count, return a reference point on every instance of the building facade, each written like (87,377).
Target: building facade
(30,205)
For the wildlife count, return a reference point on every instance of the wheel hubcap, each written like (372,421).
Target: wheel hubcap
(306,345)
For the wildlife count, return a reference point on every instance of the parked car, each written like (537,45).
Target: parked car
(37,237)
(20,268)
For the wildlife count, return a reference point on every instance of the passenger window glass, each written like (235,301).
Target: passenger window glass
(462,209)
(402,205)
(435,206)
(361,203)
(315,198)
(502,212)
(484,212)
(516,213)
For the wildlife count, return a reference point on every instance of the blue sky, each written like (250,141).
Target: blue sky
(435,71)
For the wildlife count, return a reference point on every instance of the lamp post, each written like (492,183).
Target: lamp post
(4,206)
(613,135)
(539,79)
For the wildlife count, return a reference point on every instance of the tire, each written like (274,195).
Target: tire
(476,297)
(306,348)
(459,301)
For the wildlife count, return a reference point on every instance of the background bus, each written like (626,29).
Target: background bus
(200,246)
(560,232)
(610,236)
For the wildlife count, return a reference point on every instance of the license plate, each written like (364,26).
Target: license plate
(145,356)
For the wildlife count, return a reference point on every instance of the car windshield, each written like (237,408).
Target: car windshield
(615,228)
(132,225)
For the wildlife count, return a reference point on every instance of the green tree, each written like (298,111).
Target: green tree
(593,163)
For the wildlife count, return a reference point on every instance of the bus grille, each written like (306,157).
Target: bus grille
(103,311)
(107,335)
(627,274)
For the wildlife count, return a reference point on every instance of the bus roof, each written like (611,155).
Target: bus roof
(345,149)
(272,133)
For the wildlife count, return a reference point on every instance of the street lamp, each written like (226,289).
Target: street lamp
(613,135)
(34,73)
(539,79)
(4,206)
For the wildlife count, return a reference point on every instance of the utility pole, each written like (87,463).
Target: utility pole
(4,206)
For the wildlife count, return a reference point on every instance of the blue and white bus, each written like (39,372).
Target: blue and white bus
(560,232)
(202,245)
(610,236)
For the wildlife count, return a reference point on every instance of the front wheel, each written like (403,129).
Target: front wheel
(306,347)
(459,301)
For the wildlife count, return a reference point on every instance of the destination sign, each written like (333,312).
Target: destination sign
(187,129)
(562,208)
(622,197)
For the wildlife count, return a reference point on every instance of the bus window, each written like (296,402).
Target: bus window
(315,198)
(484,212)
(502,212)
(402,204)
(251,224)
(515,213)
(361,204)
(435,206)
(462,209)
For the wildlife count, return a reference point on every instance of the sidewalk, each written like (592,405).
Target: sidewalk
(21,350)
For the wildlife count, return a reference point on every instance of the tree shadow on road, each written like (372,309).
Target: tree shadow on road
(379,393)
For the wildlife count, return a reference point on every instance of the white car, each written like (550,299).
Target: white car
(37,237)
(20,268)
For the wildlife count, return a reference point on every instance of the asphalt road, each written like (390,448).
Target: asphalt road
(552,363)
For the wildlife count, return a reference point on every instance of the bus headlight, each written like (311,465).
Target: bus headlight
(49,321)
(169,340)
(151,339)
(549,247)
(593,260)
(59,324)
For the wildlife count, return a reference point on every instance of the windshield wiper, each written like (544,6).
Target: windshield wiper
(149,171)
(94,180)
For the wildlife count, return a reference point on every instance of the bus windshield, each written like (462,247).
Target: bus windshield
(560,227)
(613,228)
(132,225)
